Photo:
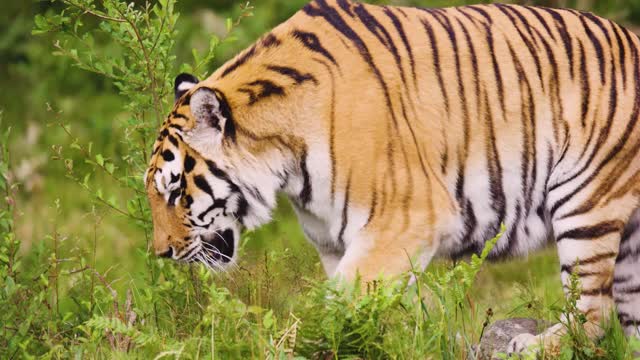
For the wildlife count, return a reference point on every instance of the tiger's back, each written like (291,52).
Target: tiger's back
(501,102)
(400,131)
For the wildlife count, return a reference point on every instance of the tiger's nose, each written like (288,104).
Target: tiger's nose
(166,254)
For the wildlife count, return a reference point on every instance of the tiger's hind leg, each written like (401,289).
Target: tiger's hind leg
(588,241)
(626,281)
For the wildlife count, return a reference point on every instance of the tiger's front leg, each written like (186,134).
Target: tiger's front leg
(377,251)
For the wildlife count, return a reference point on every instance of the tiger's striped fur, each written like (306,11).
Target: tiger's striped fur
(400,131)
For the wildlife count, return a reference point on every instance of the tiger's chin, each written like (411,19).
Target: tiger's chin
(217,249)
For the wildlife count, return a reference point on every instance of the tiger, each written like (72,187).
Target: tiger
(405,134)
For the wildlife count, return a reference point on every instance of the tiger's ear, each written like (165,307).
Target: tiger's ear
(183,83)
(211,110)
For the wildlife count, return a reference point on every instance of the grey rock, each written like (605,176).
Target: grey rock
(496,336)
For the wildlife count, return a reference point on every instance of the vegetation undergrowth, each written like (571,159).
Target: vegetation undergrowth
(58,301)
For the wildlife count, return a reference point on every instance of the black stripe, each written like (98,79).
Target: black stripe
(174,178)
(173,140)
(332,131)
(626,252)
(628,319)
(379,31)
(217,204)
(252,94)
(525,99)
(270,40)
(536,13)
(597,47)
(541,211)
(225,110)
(481,12)
(183,184)
(217,172)
(599,24)
(626,249)
(461,89)
(189,163)
(433,42)
(346,6)
(513,234)
(311,42)
(622,278)
(398,25)
(470,222)
(527,41)
(239,61)
(622,53)
(345,211)
(498,198)
(188,254)
(446,25)
(590,137)
(201,182)
(592,232)
(604,290)
(374,202)
(294,74)
(514,10)
(172,197)
(267,88)
(630,228)
(586,89)
(167,155)
(561,26)
(568,268)
(460,181)
(255,193)
(188,201)
(468,246)
(628,290)
(305,193)
(243,209)
(177,115)
(496,71)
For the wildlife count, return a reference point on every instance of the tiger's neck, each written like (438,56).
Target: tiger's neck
(279,104)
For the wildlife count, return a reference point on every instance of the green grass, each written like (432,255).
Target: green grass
(274,304)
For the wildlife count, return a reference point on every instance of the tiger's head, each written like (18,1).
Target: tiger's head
(198,210)
(228,147)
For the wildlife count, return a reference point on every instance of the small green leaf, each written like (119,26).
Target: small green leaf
(112,201)
(229,24)
(100,159)
(268,321)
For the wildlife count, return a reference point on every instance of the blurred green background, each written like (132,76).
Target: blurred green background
(32,79)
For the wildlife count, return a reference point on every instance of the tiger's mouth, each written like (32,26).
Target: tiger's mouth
(219,246)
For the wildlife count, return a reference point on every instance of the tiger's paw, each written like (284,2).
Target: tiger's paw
(524,346)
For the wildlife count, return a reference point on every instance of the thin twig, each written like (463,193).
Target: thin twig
(93,13)
(150,72)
